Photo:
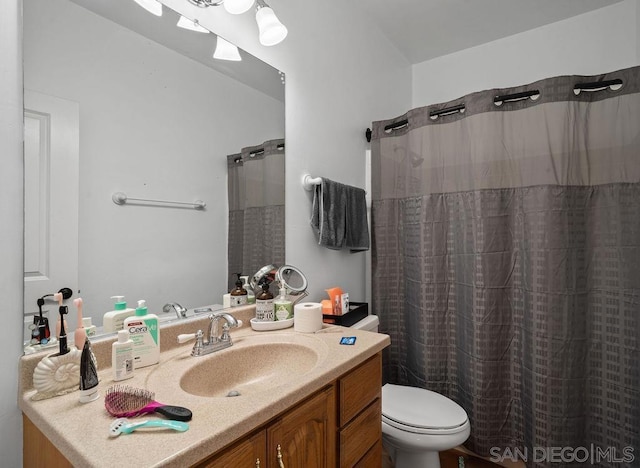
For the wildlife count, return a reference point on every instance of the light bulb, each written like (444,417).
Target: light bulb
(152,6)
(225,50)
(186,23)
(272,31)
(237,7)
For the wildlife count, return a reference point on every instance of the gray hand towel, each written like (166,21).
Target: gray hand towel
(339,216)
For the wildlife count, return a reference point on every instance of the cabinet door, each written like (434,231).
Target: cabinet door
(243,454)
(306,435)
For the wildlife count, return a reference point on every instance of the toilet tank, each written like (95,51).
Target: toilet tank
(369,323)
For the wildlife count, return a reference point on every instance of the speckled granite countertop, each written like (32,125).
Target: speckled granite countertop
(81,431)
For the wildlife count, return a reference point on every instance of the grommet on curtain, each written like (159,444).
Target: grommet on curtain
(534,94)
(396,126)
(433,115)
(613,85)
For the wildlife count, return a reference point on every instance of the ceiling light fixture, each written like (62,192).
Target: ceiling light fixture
(206,3)
(152,6)
(225,50)
(237,7)
(271,30)
(186,23)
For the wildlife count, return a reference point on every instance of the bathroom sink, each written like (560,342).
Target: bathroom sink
(250,366)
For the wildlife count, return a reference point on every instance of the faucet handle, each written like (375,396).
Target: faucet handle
(184,337)
(198,345)
(225,330)
(225,333)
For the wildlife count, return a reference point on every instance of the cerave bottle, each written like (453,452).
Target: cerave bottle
(144,332)
(114,320)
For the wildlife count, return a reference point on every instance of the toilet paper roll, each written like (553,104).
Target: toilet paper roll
(307,317)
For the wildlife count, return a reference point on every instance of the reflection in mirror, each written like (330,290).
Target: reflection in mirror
(256,208)
(288,277)
(118,100)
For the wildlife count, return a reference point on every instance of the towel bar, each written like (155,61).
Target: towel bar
(120,198)
(308,182)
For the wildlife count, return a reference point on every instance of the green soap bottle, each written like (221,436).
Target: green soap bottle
(144,332)
(282,306)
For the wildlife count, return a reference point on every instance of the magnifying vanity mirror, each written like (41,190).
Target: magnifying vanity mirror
(287,276)
(120,101)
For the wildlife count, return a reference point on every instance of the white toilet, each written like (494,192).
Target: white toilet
(418,423)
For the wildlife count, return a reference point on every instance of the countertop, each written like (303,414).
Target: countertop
(81,431)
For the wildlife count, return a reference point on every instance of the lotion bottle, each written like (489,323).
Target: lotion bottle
(282,306)
(122,357)
(144,332)
(114,320)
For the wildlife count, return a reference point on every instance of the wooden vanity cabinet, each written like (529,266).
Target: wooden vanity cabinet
(306,435)
(337,426)
(360,415)
(242,454)
(303,436)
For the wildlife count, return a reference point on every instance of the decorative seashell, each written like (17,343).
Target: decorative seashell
(57,375)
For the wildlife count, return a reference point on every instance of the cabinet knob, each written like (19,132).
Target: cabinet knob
(257,463)
(279,457)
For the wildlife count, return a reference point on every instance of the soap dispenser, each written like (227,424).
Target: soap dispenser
(114,320)
(282,306)
(251,296)
(238,294)
(264,304)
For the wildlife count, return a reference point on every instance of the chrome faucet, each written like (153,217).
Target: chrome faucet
(213,342)
(181,312)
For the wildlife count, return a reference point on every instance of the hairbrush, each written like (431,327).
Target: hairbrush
(124,401)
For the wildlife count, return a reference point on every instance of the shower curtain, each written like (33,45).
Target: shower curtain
(506,263)
(255,183)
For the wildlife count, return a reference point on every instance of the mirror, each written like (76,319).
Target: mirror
(119,100)
(288,277)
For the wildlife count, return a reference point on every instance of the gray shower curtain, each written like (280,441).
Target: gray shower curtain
(506,264)
(255,184)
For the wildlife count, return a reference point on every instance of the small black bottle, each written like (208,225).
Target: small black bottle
(238,294)
(264,304)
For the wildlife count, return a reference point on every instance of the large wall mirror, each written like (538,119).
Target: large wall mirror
(121,101)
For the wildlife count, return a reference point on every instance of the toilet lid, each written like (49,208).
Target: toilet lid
(420,408)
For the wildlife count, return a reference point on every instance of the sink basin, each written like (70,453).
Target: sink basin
(244,370)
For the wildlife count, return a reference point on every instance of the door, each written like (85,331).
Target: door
(305,436)
(51,160)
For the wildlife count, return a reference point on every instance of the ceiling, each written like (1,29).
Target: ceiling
(425,29)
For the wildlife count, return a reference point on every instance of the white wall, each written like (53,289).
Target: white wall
(153,128)
(11,207)
(339,79)
(597,42)
(341,74)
